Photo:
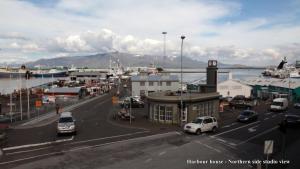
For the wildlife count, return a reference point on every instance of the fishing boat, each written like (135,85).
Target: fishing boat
(14,72)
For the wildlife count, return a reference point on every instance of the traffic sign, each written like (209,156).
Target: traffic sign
(38,103)
(268,147)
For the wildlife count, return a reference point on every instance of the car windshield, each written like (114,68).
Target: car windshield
(198,121)
(65,120)
(277,103)
(246,113)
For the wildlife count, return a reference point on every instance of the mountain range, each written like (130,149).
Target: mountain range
(126,59)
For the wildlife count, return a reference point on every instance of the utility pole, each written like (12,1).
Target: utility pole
(10,101)
(181,102)
(28,99)
(21,105)
(164,57)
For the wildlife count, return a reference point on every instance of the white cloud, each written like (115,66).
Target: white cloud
(82,27)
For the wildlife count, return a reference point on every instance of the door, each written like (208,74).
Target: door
(207,124)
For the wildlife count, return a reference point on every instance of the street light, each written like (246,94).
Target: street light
(164,57)
(181,103)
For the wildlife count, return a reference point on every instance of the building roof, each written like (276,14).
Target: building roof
(64,90)
(187,97)
(154,78)
(284,83)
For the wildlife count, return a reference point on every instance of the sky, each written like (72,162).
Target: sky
(248,32)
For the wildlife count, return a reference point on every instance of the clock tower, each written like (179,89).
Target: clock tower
(212,76)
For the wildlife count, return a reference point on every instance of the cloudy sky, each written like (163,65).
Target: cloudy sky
(249,32)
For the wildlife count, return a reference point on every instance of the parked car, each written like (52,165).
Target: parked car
(3,137)
(124,115)
(297,105)
(279,104)
(135,103)
(201,124)
(247,116)
(66,123)
(292,119)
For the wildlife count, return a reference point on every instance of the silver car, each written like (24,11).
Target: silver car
(66,123)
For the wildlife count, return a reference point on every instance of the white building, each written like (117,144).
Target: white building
(231,88)
(144,84)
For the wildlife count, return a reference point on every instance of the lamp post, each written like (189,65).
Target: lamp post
(181,103)
(164,34)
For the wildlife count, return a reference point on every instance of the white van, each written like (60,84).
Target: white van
(279,104)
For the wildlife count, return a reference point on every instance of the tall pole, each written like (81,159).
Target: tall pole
(10,101)
(181,103)
(164,57)
(28,105)
(21,105)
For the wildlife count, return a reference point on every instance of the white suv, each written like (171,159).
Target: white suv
(202,124)
(66,123)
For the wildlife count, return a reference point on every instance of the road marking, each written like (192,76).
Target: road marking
(226,126)
(86,147)
(207,146)
(162,153)
(233,123)
(148,160)
(266,118)
(252,129)
(274,115)
(104,138)
(232,144)
(26,151)
(260,134)
(38,144)
(236,128)
(224,141)
(268,113)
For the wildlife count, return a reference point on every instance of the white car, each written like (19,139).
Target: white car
(66,123)
(202,124)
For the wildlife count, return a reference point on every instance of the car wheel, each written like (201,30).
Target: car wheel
(75,132)
(214,129)
(198,131)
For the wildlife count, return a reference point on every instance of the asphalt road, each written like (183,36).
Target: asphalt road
(101,144)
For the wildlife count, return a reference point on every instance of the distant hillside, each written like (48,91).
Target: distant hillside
(102,61)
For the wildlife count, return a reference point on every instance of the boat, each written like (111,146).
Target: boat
(15,72)
(50,73)
(282,71)
(295,74)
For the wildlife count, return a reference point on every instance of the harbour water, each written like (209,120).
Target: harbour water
(8,85)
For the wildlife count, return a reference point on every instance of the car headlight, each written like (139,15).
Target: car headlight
(72,127)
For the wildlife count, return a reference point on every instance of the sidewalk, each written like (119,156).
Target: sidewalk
(49,117)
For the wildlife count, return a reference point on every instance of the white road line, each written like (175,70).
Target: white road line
(104,138)
(260,134)
(266,118)
(252,129)
(232,144)
(161,153)
(207,146)
(237,128)
(38,144)
(148,160)
(226,126)
(26,151)
(86,147)
(274,115)
(224,141)
(268,113)
(233,123)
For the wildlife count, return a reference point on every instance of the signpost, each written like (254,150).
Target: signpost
(38,105)
(268,149)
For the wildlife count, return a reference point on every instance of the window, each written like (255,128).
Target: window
(169,113)
(142,83)
(161,112)
(207,121)
(160,83)
(168,83)
(142,92)
(150,83)
(156,110)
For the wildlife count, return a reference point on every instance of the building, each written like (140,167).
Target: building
(144,84)
(173,108)
(66,91)
(232,88)
(265,88)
